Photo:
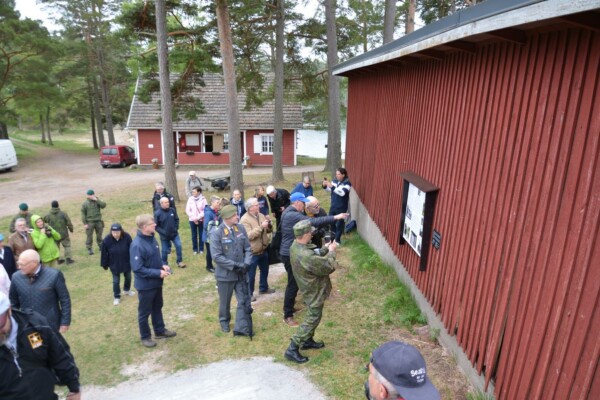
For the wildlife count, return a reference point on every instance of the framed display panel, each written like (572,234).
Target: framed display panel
(416,220)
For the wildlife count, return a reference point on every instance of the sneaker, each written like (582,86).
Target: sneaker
(148,343)
(61,262)
(166,334)
(211,270)
(268,291)
(253,299)
(90,252)
(70,261)
(201,252)
(195,253)
(129,292)
(290,322)
(116,302)
(181,264)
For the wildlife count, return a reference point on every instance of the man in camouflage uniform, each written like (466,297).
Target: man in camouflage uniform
(91,216)
(231,254)
(61,222)
(311,267)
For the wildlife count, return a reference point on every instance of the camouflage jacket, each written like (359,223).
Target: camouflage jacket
(312,272)
(60,221)
(91,211)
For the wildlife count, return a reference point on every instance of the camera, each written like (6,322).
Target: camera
(48,231)
(270,224)
(327,238)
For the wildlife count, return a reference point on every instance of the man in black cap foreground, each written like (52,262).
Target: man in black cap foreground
(397,371)
(32,356)
(312,267)
(231,253)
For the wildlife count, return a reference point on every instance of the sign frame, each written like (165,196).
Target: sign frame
(431,192)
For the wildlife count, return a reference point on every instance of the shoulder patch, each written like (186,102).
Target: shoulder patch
(35,340)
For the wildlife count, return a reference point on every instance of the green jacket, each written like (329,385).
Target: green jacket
(90,211)
(45,245)
(60,221)
(312,272)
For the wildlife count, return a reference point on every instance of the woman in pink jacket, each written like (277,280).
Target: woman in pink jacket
(195,211)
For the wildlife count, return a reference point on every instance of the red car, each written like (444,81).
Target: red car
(117,155)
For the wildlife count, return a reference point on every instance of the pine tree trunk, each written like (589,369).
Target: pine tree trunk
(166,101)
(410,16)
(42,128)
(104,89)
(334,146)
(48,126)
(233,123)
(97,112)
(279,75)
(92,118)
(389,21)
(4,129)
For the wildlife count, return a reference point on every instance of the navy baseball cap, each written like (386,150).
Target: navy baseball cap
(404,367)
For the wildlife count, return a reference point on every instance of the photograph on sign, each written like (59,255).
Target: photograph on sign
(414,218)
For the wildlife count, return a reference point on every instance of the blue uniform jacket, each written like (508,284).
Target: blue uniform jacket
(146,262)
(167,223)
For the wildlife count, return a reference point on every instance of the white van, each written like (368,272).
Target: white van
(8,156)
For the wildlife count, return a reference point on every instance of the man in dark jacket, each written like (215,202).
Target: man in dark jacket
(159,193)
(232,255)
(115,255)
(32,356)
(279,200)
(42,289)
(149,273)
(60,221)
(291,216)
(167,226)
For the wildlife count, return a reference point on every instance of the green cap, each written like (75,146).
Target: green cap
(23,207)
(90,192)
(302,227)
(228,211)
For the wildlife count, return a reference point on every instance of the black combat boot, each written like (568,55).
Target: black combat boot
(311,344)
(293,354)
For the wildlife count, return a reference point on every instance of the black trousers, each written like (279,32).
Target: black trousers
(291,290)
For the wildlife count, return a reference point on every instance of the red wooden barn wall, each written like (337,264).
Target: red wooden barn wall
(511,135)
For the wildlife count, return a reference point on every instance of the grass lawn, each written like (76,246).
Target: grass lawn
(368,306)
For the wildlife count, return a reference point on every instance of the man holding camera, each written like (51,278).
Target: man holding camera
(149,272)
(231,254)
(259,230)
(291,216)
(312,267)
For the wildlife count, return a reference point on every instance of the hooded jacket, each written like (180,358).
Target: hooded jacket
(195,208)
(60,221)
(45,246)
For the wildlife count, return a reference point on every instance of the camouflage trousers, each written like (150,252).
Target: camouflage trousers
(96,226)
(66,244)
(307,329)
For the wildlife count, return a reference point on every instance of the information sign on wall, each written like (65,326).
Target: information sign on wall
(416,221)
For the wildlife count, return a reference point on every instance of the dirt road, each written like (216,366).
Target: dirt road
(57,175)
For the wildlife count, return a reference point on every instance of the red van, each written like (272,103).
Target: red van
(117,155)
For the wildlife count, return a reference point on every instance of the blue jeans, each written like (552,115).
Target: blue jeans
(117,283)
(197,243)
(151,303)
(338,226)
(166,249)
(262,261)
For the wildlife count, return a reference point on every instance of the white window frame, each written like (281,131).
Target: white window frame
(263,139)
